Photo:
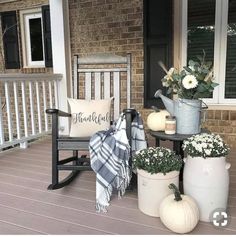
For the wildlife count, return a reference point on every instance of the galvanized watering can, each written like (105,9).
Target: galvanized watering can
(187,112)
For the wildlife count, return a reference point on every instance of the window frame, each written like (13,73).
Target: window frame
(25,16)
(220,49)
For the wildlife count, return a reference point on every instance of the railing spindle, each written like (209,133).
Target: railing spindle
(45,106)
(24,108)
(56,94)
(50,93)
(9,115)
(2,139)
(31,97)
(16,100)
(38,107)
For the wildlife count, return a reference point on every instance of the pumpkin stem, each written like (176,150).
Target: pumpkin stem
(155,108)
(176,192)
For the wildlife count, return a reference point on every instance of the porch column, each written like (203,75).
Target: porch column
(60,33)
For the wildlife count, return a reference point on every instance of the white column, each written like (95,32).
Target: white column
(59,13)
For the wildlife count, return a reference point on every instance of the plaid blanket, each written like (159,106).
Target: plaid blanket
(109,154)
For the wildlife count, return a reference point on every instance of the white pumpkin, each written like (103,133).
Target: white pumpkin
(156,120)
(179,213)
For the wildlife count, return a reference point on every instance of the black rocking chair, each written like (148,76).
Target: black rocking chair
(104,80)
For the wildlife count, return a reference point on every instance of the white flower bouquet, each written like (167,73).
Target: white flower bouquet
(193,82)
(157,160)
(205,145)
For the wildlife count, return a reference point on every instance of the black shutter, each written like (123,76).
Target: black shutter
(47,36)
(157,47)
(10,40)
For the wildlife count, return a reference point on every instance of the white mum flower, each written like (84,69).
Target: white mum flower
(208,152)
(189,82)
(199,148)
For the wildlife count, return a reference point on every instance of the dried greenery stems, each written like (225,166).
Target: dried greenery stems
(157,160)
(205,145)
(193,82)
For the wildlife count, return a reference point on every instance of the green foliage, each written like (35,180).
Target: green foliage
(193,82)
(157,160)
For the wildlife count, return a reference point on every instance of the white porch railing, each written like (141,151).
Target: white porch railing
(23,101)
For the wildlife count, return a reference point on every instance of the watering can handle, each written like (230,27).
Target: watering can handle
(205,105)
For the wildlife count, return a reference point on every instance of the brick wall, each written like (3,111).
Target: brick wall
(222,122)
(110,26)
(117,26)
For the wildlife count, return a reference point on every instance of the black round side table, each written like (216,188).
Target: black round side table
(177,140)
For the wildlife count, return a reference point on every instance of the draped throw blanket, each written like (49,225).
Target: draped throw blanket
(109,154)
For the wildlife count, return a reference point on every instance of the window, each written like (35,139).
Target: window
(230,78)
(32,38)
(211,25)
(35,35)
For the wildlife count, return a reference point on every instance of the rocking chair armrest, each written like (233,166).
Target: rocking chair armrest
(130,110)
(58,112)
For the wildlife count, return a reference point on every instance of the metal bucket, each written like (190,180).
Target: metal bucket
(188,116)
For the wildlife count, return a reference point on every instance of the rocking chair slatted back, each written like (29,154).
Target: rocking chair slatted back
(95,77)
(101,74)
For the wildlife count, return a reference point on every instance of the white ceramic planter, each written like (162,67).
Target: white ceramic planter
(153,188)
(207,181)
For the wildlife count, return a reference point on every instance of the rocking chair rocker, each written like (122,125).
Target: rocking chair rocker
(99,83)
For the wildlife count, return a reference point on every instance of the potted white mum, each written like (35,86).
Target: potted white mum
(157,167)
(206,175)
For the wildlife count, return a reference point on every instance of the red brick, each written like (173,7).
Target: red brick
(85,4)
(232,115)
(135,28)
(225,115)
(218,114)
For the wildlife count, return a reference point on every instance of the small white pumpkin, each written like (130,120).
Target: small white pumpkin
(179,213)
(156,120)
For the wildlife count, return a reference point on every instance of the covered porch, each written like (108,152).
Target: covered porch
(27,207)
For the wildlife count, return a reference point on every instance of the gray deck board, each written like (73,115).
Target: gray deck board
(27,207)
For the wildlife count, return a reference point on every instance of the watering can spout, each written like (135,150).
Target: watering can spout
(169,104)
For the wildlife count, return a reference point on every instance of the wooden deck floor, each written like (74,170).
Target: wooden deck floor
(27,207)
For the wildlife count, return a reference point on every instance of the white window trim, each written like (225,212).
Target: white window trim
(220,48)
(25,15)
